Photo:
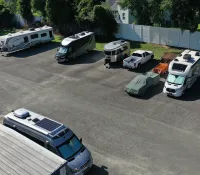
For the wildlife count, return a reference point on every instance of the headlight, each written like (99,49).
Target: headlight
(75,170)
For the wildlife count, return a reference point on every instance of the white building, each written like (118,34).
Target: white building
(121,15)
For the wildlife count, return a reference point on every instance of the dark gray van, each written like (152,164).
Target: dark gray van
(52,135)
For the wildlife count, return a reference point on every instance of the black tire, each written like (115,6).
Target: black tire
(139,65)
(125,56)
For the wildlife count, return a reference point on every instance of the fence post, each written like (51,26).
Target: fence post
(149,34)
(189,40)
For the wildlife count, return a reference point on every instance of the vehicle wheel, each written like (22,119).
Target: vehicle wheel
(139,65)
(152,56)
(125,56)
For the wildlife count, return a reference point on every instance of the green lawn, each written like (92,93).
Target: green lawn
(157,49)
(58,38)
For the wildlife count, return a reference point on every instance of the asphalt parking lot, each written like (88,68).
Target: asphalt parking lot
(154,135)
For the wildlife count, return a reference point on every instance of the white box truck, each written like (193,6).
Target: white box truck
(21,156)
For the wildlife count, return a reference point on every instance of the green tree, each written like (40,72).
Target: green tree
(39,6)
(94,14)
(6,17)
(186,14)
(24,8)
(85,14)
(59,12)
(140,9)
(105,20)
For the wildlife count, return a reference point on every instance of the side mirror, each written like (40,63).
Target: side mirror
(58,48)
(81,140)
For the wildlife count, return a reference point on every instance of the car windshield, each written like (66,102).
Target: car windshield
(136,55)
(63,50)
(175,79)
(70,147)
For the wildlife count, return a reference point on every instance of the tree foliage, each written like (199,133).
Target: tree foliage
(6,16)
(59,12)
(24,8)
(186,14)
(105,20)
(39,5)
(96,15)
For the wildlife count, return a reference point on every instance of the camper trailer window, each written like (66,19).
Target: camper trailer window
(43,35)
(34,36)
(26,39)
(136,55)
(114,52)
(107,52)
(125,48)
(179,67)
(50,34)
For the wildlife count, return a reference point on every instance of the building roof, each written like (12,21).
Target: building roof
(19,155)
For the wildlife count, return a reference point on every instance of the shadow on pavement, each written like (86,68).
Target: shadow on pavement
(146,67)
(35,50)
(88,58)
(95,170)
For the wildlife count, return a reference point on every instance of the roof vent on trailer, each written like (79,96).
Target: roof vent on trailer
(83,33)
(197,54)
(31,29)
(187,57)
(21,113)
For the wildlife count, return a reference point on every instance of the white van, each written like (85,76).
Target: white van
(184,70)
(52,135)
(75,46)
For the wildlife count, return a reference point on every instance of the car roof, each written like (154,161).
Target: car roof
(139,51)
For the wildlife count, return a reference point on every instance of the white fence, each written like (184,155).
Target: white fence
(160,35)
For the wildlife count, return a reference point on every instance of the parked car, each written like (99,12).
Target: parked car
(141,83)
(162,67)
(137,58)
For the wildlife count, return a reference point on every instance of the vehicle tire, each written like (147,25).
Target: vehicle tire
(139,65)
(152,56)
(125,56)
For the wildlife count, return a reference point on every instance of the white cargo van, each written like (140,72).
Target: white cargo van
(20,155)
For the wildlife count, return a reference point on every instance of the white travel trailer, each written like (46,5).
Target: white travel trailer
(25,39)
(184,70)
(117,51)
(75,45)
(20,155)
